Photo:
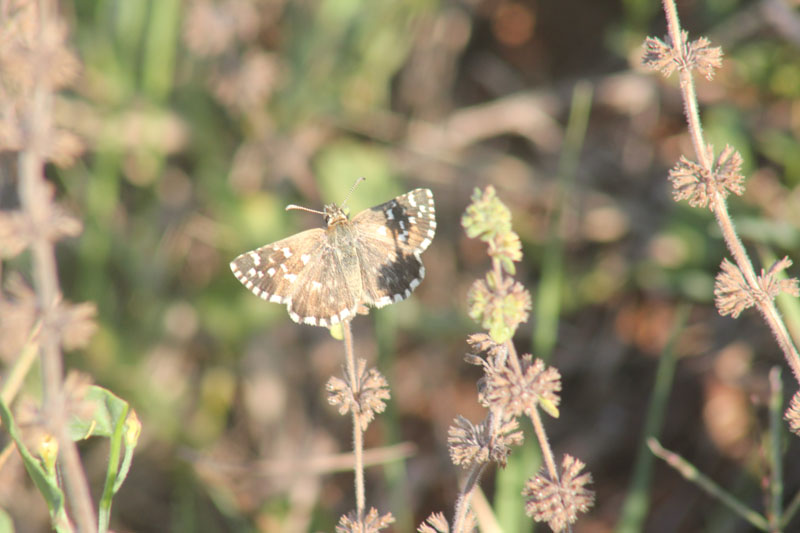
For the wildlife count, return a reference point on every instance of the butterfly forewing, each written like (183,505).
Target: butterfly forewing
(408,220)
(301,273)
(391,238)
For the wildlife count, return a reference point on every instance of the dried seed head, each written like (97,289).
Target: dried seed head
(500,306)
(437,523)
(733,294)
(490,440)
(792,414)
(372,523)
(17,315)
(366,397)
(31,53)
(692,182)
(512,393)
(556,503)
(74,324)
(703,57)
(664,56)
(19,229)
(483,344)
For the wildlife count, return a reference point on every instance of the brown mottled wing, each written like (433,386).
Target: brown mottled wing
(390,238)
(301,272)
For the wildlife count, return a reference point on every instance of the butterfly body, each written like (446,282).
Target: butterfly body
(327,275)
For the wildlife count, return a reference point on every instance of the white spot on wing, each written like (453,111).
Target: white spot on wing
(287,253)
(256,258)
(305,258)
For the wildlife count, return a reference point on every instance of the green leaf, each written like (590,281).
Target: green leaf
(104,417)
(549,407)
(6,524)
(110,417)
(47,485)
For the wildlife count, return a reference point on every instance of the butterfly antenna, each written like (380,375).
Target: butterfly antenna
(359,180)
(301,208)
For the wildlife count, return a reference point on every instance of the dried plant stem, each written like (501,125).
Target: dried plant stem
(538,426)
(717,203)
(358,436)
(35,202)
(462,505)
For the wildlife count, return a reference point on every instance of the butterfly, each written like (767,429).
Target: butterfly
(325,276)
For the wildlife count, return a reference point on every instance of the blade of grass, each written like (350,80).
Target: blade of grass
(688,471)
(775,453)
(635,507)
(548,298)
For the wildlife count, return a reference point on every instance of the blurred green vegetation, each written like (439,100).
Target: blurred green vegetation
(205,119)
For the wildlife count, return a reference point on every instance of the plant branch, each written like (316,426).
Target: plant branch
(358,436)
(35,202)
(717,202)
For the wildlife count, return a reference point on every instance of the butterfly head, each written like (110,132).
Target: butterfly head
(334,215)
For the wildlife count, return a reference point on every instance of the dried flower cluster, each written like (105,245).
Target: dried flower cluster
(699,185)
(512,386)
(365,398)
(733,294)
(558,503)
(437,523)
(372,523)
(498,303)
(499,306)
(512,390)
(34,55)
(792,414)
(471,444)
(664,56)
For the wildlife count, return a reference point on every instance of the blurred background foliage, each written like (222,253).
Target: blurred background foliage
(203,119)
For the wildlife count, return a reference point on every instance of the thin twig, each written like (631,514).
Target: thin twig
(688,471)
(358,437)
